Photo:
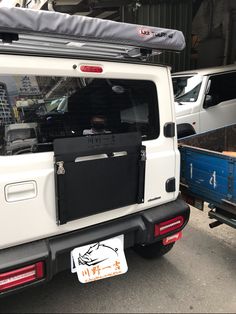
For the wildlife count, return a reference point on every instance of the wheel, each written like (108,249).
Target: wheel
(153,250)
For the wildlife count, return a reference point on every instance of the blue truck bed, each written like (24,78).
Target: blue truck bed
(208,175)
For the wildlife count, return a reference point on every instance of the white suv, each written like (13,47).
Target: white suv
(205,99)
(77,199)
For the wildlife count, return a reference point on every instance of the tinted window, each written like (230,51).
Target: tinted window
(36,110)
(20,134)
(223,87)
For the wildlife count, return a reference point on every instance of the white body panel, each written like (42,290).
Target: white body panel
(218,116)
(31,176)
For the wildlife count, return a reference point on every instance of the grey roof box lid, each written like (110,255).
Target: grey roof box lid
(45,23)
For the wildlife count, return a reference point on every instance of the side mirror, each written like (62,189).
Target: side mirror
(208,102)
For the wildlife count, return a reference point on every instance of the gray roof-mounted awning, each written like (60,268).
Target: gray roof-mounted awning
(58,33)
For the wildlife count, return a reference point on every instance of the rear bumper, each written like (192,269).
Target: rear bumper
(55,251)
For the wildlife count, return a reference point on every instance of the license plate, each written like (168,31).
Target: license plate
(99,260)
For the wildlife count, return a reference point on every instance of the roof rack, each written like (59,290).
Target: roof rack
(52,33)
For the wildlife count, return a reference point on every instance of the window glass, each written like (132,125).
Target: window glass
(186,88)
(223,87)
(35,110)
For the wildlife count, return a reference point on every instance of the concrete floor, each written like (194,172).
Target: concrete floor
(197,276)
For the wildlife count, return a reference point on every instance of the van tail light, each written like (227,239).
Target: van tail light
(168,226)
(21,276)
(91,68)
(173,238)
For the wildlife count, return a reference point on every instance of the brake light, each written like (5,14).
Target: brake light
(91,69)
(168,226)
(21,276)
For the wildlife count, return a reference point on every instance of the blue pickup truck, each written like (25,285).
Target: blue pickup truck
(208,173)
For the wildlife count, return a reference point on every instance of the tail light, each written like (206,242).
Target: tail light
(21,276)
(91,68)
(168,226)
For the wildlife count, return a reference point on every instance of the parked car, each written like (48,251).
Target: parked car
(205,99)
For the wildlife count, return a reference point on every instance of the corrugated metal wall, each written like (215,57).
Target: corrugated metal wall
(175,14)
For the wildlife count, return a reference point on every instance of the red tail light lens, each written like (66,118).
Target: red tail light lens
(91,69)
(168,226)
(21,276)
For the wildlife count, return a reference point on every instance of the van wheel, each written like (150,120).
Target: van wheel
(153,250)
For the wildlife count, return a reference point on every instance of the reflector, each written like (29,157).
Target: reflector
(173,238)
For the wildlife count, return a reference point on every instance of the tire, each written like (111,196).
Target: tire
(154,250)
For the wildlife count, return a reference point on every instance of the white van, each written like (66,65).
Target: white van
(103,172)
(205,99)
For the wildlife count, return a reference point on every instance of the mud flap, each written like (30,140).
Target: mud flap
(98,173)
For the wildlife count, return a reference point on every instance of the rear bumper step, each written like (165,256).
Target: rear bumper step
(55,252)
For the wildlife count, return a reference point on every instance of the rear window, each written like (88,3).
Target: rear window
(35,110)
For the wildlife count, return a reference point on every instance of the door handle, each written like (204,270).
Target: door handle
(20,191)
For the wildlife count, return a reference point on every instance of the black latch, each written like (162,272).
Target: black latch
(170,185)
(169,129)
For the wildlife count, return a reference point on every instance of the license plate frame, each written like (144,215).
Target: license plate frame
(99,260)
